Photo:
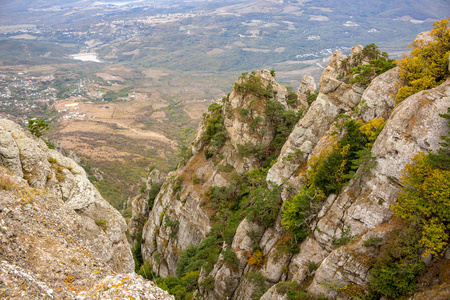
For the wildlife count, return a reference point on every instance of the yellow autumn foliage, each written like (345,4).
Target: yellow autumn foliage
(372,129)
(427,65)
(425,202)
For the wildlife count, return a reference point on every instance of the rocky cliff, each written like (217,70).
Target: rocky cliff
(59,239)
(217,220)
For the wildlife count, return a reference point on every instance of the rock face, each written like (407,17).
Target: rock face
(125,286)
(47,169)
(264,263)
(140,205)
(306,88)
(47,250)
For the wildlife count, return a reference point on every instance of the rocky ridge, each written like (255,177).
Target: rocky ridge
(360,210)
(58,236)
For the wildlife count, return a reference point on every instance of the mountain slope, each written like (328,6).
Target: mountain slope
(219,221)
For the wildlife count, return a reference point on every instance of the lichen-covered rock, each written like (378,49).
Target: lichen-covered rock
(377,100)
(124,286)
(47,169)
(42,249)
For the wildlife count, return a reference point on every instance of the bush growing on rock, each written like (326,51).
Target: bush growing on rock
(378,64)
(329,172)
(396,268)
(427,65)
(424,202)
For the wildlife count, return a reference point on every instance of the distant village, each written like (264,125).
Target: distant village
(24,96)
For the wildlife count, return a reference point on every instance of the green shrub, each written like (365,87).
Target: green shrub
(176,186)
(264,205)
(244,111)
(329,172)
(311,98)
(154,190)
(215,134)
(345,238)
(253,85)
(312,266)
(373,241)
(259,282)
(136,251)
(207,284)
(255,123)
(299,295)
(36,127)
(146,271)
(230,259)
(396,269)
(379,63)
(283,287)
(441,159)
(190,280)
(295,213)
(209,153)
(292,99)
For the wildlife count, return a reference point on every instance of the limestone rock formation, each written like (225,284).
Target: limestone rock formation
(48,170)
(46,249)
(306,88)
(177,218)
(264,260)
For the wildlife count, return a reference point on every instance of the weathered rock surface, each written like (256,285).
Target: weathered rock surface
(377,100)
(335,97)
(44,254)
(47,169)
(306,88)
(125,286)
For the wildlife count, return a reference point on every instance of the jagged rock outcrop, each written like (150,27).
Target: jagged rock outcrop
(306,88)
(178,218)
(360,209)
(46,251)
(377,100)
(48,170)
(335,97)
